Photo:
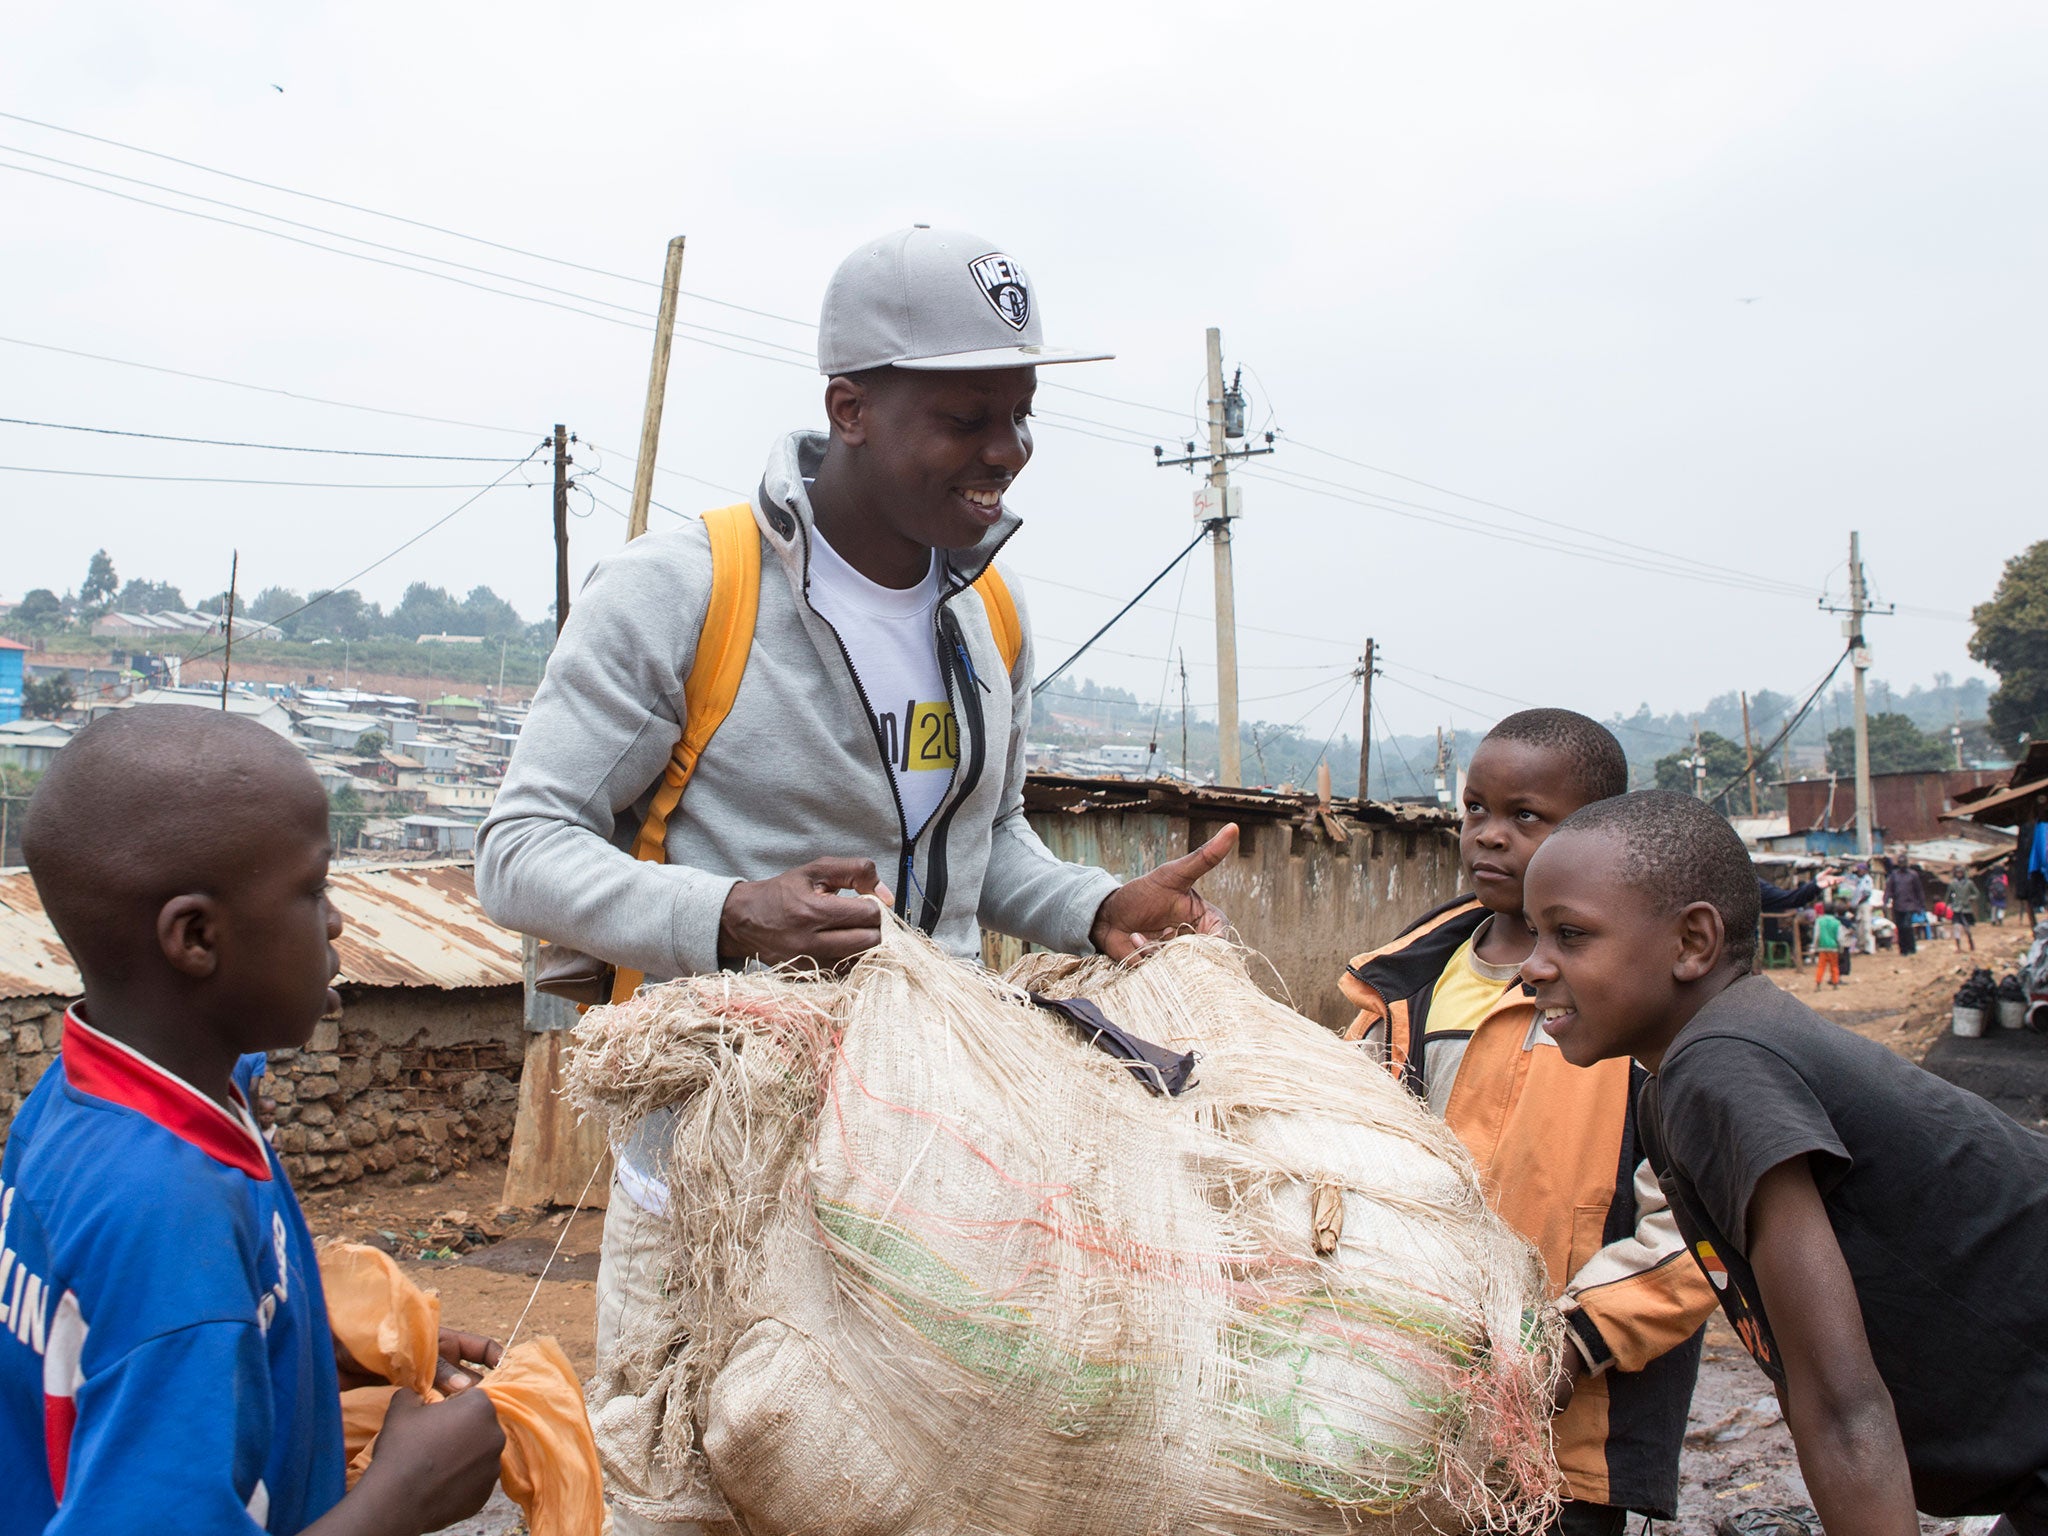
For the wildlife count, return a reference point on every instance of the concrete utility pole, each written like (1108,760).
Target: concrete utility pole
(1365,722)
(1443,795)
(1229,764)
(1955,736)
(562,462)
(1748,755)
(1217,505)
(1699,765)
(1859,609)
(1859,662)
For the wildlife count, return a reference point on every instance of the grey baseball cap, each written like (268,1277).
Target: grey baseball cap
(936,299)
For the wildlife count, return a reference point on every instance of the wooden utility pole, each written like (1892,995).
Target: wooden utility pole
(227,661)
(657,389)
(562,463)
(1365,724)
(1748,755)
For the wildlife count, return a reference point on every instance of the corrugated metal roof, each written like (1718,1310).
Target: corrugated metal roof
(32,962)
(409,925)
(1083,795)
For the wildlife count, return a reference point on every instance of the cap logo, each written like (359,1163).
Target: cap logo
(1002,284)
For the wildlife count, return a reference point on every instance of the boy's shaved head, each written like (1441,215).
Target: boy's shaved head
(1598,765)
(1677,850)
(150,803)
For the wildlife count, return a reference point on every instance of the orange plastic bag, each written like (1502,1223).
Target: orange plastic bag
(549,1467)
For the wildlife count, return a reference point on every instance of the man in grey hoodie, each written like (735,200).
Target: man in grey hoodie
(876,744)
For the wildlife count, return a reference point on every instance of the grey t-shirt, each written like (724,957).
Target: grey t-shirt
(1939,1202)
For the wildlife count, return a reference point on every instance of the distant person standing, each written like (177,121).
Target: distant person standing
(2001,889)
(1827,948)
(1866,907)
(1905,896)
(1964,908)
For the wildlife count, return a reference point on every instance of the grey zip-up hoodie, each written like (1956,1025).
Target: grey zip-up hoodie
(796,771)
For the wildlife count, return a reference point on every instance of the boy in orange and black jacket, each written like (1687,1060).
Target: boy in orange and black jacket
(1556,1145)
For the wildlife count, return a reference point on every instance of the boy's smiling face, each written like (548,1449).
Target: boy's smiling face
(1609,967)
(1515,795)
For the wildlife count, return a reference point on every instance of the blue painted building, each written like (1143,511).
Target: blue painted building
(12,655)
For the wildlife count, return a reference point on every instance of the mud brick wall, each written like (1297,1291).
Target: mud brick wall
(411,1083)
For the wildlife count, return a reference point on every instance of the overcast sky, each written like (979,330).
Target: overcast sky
(1500,249)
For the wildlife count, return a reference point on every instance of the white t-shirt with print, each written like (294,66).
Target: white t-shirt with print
(888,635)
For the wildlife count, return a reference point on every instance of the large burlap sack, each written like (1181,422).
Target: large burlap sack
(942,1266)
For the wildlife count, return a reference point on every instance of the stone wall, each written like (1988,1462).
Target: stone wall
(411,1083)
(30,1028)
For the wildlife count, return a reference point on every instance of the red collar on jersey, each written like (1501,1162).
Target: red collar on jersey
(105,1068)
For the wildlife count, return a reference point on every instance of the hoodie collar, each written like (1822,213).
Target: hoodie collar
(782,507)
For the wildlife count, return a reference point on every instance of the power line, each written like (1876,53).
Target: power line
(396,218)
(349,581)
(264,389)
(215,442)
(307,485)
(446,277)
(1533,517)
(1127,607)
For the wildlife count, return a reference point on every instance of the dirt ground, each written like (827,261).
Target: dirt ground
(484,1261)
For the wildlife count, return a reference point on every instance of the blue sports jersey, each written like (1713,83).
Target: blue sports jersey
(165,1361)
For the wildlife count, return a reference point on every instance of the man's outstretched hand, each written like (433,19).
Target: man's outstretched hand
(1165,902)
(801,915)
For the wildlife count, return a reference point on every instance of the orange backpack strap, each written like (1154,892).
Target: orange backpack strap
(1002,615)
(714,680)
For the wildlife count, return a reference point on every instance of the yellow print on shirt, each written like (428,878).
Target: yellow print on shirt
(930,741)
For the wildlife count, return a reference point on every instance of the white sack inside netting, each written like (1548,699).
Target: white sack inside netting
(941,1266)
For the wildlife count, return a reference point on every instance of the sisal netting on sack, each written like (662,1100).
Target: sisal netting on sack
(940,1265)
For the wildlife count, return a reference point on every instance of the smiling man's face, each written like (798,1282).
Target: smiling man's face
(1515,795)
(939,450)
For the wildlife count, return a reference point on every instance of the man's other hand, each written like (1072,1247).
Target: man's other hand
(802,916)
(434,1462)
(1165,902)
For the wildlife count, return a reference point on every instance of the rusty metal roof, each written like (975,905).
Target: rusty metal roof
(1996,807)
(409,925)
(32,962)
(419,925)
(1080,795)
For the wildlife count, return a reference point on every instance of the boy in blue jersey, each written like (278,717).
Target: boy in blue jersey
(165,1359)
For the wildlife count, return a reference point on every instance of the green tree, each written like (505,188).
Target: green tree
(2011,638)
(273,603)
(338,616)
(425,610)
(40,604)
(1897,745)
(345,817)
(100,581)
(370,743)
(1724,760)
(485,613)
(47,698)
(139,596)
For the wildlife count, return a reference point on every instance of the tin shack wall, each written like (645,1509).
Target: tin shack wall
(1298,897)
